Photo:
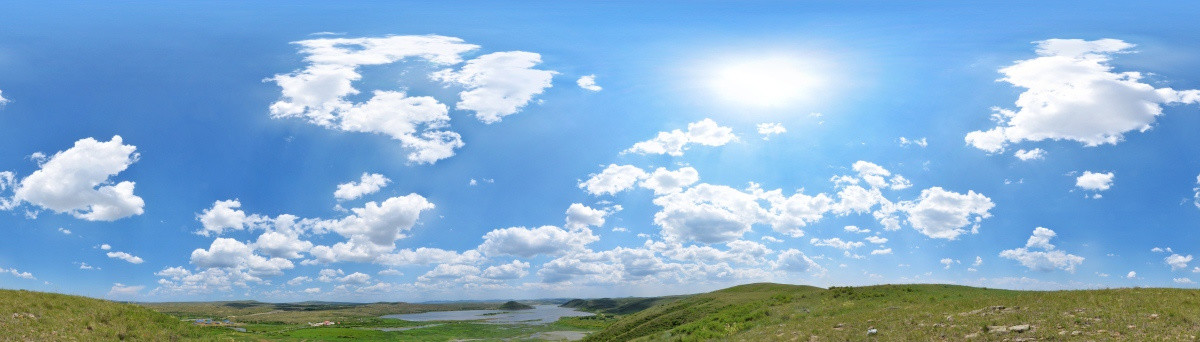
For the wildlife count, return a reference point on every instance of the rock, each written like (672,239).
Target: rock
(971,335)
(1019,328)
(1153,316)
(872,331)
(1076,333)
(997,328)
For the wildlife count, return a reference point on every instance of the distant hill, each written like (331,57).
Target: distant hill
(39,316)
(775,312)
(512,305)
(618,306)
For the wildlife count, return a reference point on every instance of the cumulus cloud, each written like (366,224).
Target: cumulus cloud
(942,214)
(77,181)
(582,216)
(704,132)
(3,100)
(528,242)
(1034,154)
(1178,262)
(1131,275)
(368,184)
(1094,181)
(588,83)
(513,270)
(663,181)
(767,129)
(1047,259)
(130,258)
(793,260)
(225,215)
(14,272)
(615,178)
(319,92)
(1073,93)
(498,84)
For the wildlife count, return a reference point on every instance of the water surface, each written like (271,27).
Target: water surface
(540,314)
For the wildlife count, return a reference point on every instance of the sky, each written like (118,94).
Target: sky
(163,151)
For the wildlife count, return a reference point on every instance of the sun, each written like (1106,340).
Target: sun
(766,82)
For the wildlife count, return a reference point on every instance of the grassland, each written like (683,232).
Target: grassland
(38,316)
(618,306)
(773,312)
(754,312)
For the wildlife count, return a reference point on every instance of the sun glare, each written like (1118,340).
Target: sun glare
(770,82)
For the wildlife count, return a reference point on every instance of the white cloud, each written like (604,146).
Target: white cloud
(14,272)
(919,142)
(662,181)
(125,256)
(312,290)
(1196,195)
(1072,93)
(881,251)
(498,84)
(319,92)
(122,290)
(513,270)
(85,266)
(1034,154)
(979,261)
(390,272)
(856,229)
(368,184)
(234,255)
(528,242)
(1131,275)
(225,215)
(877,240)
(1041,239)
(949,262)
(704,132)
(3,100)
(582,216)
(1094,181)
(836,243)
(105,246)
(64,231)
(767,129)
(1177,261)
(588,82)
(793,260)
(615,178)
(77,181)
(1048,259)
(299,280)
(355,278)
(942,214)
(282,245)
(1183,281)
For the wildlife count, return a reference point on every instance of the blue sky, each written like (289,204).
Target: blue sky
(538,186)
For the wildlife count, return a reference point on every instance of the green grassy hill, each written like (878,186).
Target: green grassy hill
(774,312)
(618,306)
(38,316)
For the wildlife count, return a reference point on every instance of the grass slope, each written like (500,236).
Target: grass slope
(774,312)
(38,316)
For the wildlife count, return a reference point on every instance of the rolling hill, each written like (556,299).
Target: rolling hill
(774,312)
(39,316)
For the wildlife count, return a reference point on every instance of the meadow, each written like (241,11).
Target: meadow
(753,312)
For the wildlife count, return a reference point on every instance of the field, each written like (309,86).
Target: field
(773,312)
(754,312)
